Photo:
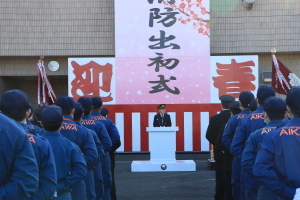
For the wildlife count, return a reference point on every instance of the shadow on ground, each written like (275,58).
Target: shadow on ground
(197,185)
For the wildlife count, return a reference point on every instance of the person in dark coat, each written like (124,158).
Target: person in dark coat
(215,124)
(162,119)
(234,108)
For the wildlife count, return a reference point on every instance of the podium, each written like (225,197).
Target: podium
(162,145)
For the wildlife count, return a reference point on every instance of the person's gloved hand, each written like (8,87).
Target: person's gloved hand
(297,195)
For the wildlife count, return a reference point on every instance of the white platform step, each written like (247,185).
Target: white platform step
(147,166)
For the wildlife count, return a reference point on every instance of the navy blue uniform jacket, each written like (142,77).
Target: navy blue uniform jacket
(111,129)
(277,161)
(19,171)
(46,164)
(249,124)
(70,163)
(231,127)
(80,136)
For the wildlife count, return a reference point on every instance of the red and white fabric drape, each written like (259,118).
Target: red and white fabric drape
(45,93)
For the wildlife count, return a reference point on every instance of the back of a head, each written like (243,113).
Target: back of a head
(225,100)
(234,107)
(66,104)
(78,111)
(293,101)
(104,112)
(86,103)
(275,108)
(15,104)
(52,118)
(96,102)
(253,105)
(264,92)
(245,98)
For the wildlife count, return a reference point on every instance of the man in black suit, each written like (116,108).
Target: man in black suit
(162,119)
(215,124)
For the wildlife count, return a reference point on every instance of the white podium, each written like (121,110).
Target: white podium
(162,145)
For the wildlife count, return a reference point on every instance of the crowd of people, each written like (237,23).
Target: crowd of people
(67,155)
(256,143)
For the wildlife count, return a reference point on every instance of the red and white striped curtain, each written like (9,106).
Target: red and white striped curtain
(45,93)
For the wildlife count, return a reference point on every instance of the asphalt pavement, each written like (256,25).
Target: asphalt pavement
(198,185)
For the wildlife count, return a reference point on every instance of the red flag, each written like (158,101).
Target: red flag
(283,79)
(45,92)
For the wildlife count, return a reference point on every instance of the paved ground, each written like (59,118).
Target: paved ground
(197,185)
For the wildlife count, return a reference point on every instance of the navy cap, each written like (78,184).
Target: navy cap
(86,103)
(78,111)
(253,105)
(38,112)
(52,115)
(274,105)
(161,106)
(65,102)
(234,105)
(293,98)
(14,102)
(104,111)
(96,102)
(264,92)
(226,98)
(246,97)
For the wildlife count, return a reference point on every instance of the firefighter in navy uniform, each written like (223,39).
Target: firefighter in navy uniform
(18,108)
(249,124)
(70,163)
(275,111)
(101,131)
(215,124)
(245,99)
(80,136)
(113,134)
(277,161)
(162,119)
(18,167)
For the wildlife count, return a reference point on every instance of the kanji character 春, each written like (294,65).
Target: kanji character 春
(159,62)
(160,1)
(234,78)
(161,85)
(162,40)
(91,85)
(169,19)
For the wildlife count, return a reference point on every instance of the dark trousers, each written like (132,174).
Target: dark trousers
(219,180)
(227,164)
(113,192)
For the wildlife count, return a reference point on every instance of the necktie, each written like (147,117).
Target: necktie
(162,119)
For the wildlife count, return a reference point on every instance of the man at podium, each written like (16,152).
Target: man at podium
(162,119)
